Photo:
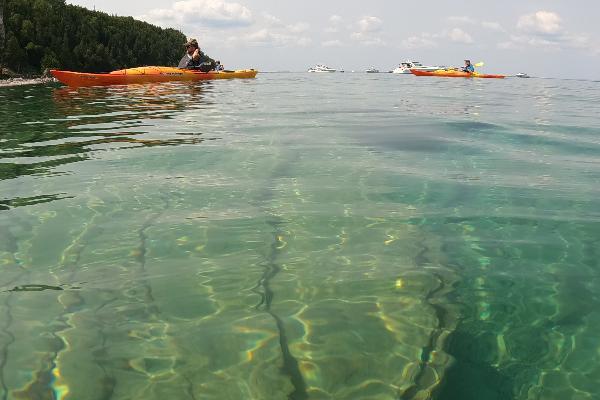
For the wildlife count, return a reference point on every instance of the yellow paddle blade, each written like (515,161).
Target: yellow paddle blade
(480,64)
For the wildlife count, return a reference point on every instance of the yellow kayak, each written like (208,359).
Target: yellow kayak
(146,75)
(454,74)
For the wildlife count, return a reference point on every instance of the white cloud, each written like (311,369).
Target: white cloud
(267,31)
(422,41)
(335,19)
(275,23)
(270,38)
(429,40)
(332,43)
(551,43)
(461,20)
(261,36)
(508,45)
(272,20)
(370,24)
(465,20)
(368,29)
(303,41)
(541,42)
(541,22)
(580,41)
(459,36)
(493,26)
(299,27)
(209,13)
(543,30)
(367,38)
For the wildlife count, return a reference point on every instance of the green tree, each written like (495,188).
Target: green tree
(50,61)
(2,35)
(48,33)
(15,54)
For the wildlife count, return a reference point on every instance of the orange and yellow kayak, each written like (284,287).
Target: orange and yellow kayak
(448,73)
(146,75)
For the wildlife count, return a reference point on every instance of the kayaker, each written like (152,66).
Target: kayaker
(194,58)
(468,67)
(219,66)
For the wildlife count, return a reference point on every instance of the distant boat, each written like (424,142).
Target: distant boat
(372,70)
(405,67)
(321,68)
(522,75)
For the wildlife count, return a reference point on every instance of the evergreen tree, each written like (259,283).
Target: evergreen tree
(42,34)
(2,35)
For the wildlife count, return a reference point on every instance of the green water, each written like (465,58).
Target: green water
(346,236)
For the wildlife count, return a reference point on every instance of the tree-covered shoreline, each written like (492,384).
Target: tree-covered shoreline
(40,34)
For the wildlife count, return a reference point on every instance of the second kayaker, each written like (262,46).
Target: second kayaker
(194,58)
(469,68)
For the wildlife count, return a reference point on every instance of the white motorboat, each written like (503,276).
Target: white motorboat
(405,67)
(372,70)
(522,75)
(321,68)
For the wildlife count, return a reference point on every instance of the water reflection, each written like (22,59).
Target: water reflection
(27,201)
(55,128)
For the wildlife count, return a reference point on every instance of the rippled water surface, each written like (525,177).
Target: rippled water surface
(301,236)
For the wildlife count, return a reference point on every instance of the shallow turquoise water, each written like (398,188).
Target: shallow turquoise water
(301,236)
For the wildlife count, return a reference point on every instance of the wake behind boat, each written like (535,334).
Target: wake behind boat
(321,68)
(146,75)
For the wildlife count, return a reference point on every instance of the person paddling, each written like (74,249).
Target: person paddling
(469,68)
(194,58)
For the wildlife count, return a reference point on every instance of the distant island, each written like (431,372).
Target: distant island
(36,35)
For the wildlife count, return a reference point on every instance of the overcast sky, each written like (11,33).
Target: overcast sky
(556,38)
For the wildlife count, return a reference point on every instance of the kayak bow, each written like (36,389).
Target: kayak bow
(146,75)
(454,74)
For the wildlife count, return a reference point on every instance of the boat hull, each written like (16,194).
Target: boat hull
(146,75)
(455,74)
